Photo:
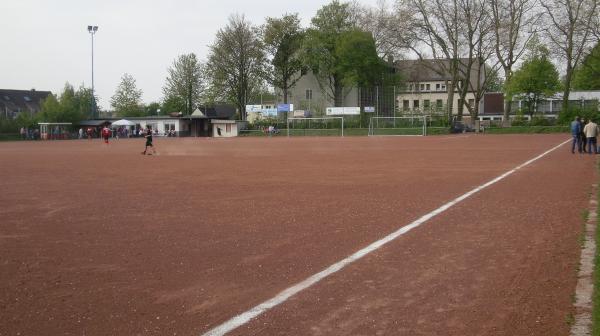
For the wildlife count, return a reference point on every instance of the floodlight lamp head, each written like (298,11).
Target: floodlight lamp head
(95,28)
(89,28)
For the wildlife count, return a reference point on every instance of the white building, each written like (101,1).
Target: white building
(426,89)
(198,124)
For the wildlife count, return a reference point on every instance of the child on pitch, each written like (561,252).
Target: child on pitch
(148,137)
(106,134)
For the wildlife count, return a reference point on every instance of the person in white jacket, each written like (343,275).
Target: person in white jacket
(591,132)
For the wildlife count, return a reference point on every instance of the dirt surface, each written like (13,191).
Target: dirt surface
(100,240)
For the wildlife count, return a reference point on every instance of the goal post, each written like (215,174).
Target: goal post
(324,126)
(398,126)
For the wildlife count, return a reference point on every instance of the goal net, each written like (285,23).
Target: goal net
(398,126)
(326,126)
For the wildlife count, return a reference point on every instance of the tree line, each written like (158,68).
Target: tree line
(518,39)
(512,45)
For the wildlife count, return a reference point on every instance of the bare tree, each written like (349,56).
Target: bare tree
(436,35)
(476,64)
(476,51)
(389,26)
(570,31)
(513,26)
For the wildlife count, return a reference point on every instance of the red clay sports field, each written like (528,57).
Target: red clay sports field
(272,236)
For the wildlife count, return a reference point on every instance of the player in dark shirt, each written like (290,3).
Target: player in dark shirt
(148,137)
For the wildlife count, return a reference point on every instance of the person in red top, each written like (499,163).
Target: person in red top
(106,134)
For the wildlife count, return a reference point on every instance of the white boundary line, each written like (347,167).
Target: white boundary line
(248,315)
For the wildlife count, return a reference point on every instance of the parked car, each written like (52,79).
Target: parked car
(460,127)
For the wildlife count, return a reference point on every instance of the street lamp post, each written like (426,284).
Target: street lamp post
(92,30)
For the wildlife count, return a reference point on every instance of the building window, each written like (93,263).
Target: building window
(439,103)
(471,102)
(415,104)
(422,87)
(437,87)
(443,87)
(428,87)
(410,87)
(426,104)
(309,94)
(405,104)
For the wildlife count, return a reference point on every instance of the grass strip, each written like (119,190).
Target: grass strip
(596,295)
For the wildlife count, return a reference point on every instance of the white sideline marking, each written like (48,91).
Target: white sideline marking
(246,316)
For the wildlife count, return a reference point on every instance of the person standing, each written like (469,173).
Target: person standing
(106,134)
(583,139)
(576,133)
(148,137)
(591,132)
(80,133)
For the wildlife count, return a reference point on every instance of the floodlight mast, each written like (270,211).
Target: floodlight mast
(92,30)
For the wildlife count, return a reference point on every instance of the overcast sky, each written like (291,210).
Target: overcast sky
(44,44)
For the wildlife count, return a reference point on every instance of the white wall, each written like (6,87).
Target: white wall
(160,124)
(228,130)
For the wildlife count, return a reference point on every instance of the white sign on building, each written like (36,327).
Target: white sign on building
(253,108)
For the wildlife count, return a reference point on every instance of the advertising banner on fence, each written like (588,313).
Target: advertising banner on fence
(369,109)
(285,107)
(269,112)
(301,114)
(332,111)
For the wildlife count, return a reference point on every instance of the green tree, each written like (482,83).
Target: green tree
(83,101)
(185,83)
(70,109)
(537,78)
(283,40)
(236,63)
(495,83)
(153,108)
(126,100)
(51,110)
(67,107)
(357,59)
(587,75)
(339,54)
(330,22)
(172,104)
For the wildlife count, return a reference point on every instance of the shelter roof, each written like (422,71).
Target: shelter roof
(219,111)
(95,122)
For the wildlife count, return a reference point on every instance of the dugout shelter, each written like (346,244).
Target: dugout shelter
(54,131)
